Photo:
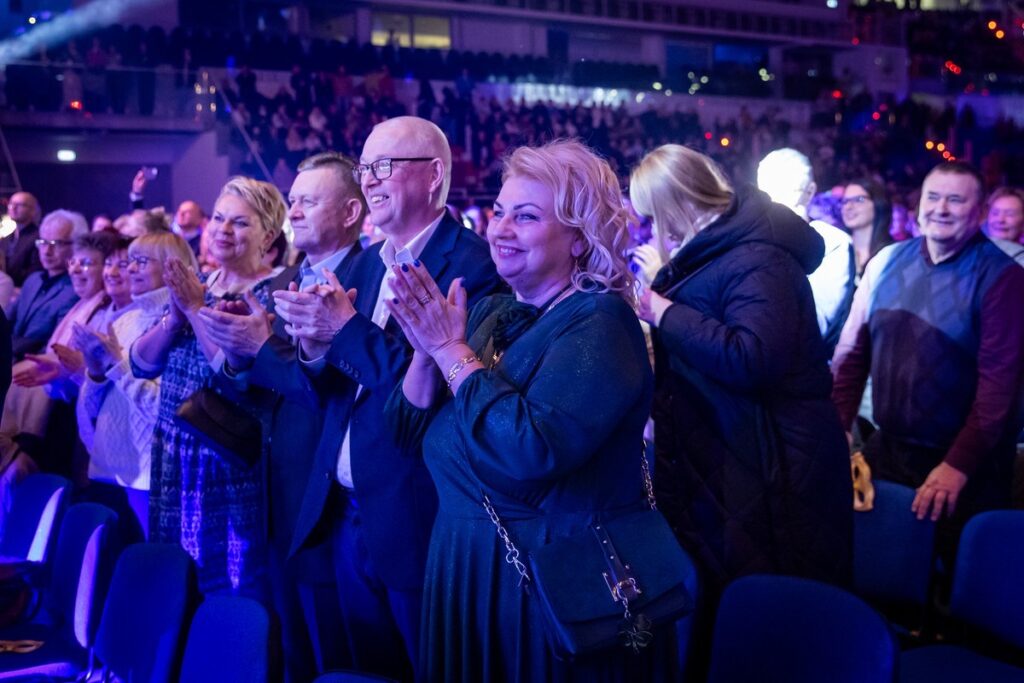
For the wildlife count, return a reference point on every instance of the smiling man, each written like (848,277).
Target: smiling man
(936,322)
(369,497)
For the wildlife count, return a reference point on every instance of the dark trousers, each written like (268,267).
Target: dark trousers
(312,639)
(382,625)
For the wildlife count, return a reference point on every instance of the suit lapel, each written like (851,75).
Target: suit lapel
(40,303)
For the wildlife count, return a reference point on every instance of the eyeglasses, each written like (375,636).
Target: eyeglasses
(42,244)
(381,169)
(846,201)
(82,263)
(141,261)
(122,264)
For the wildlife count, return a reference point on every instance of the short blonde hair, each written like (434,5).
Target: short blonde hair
(587,199)
(265,199)
(165,245)
(677,188)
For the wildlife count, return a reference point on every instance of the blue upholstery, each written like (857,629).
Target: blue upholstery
(33,522)
(227,642)
(81,571)
(988,582)
(778,629)
(684,627)
(893,551)
(952,664)
(987,593)
(351,677)
(141,631)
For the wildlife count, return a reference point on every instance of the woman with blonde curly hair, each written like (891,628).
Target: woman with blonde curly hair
(209,503)
(548,390)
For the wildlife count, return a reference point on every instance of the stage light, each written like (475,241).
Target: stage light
(66,155)
(724,142)
(1000,34)
(32,20)
(707,135)
(837,94)
(929,145)
(941,147)
(876,116)
(76,105)
(992,26)
(656,85)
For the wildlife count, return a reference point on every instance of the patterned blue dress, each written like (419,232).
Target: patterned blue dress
(214,510)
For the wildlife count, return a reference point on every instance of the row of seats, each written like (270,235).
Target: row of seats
(769,628)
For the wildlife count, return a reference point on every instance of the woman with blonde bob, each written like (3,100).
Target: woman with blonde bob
(199,498)
(752,464)
(116,410)
(548,390)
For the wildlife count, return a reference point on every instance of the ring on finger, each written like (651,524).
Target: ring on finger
(424,300)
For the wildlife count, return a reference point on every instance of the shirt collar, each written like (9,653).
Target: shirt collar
(413,249)
(331,263)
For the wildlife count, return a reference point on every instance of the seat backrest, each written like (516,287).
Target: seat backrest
(988,582)
(37,507)
(351,677)
(779,629)
(82,565)
(228,641)
(141,630)
(893,551)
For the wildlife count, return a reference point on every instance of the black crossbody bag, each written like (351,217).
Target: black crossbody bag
(612,583)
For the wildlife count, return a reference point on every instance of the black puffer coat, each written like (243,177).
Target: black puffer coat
(753,468)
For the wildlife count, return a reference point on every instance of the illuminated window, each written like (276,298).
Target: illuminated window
(411,31)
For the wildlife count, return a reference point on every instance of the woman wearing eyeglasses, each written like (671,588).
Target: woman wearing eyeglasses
(752,464)
(116,410)
(200,498)
(867,214)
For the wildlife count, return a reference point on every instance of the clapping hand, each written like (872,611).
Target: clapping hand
(239,328)
(71,360)
(187,292)
(315,314)
(431,321)
(36,370)
(101,351)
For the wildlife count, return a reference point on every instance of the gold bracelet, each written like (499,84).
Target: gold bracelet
(457,367)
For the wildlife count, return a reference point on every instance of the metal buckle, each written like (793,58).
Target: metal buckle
(624,590)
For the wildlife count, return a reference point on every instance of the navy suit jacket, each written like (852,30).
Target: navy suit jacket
(397,499)
(292,430)
(37,312)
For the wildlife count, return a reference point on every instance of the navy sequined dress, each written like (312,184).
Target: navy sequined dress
(552,434)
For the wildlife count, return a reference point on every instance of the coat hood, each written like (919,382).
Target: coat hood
(751,218)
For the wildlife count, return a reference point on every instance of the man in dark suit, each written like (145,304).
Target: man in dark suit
(372,501)
(326,212)
(19,248)
(47,295)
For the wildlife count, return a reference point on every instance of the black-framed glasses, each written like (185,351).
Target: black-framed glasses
(41,243)
(381,169)
(140,261)
(846,201)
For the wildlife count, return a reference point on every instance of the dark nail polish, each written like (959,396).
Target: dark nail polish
(416,263)
(405,268)
(395,300)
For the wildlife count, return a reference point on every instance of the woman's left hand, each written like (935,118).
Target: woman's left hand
(432,321)
(186,289)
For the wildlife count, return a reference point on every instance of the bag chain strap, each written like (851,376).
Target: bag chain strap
(648,482)
(512,552)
